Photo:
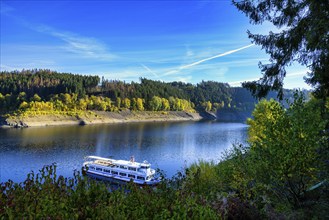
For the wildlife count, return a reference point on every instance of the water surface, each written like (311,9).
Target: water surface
(170,146)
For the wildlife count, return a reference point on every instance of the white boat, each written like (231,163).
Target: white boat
(121,170)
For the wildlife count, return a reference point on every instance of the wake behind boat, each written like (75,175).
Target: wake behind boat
(121,170)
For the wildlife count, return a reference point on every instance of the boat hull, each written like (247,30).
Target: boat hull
(118,179)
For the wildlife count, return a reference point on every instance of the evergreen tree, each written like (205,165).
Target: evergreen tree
(302,36)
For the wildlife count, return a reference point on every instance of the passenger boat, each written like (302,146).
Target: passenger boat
(121,170)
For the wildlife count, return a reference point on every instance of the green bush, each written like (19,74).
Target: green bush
(46,195)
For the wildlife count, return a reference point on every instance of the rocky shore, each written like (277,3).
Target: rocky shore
(97,117)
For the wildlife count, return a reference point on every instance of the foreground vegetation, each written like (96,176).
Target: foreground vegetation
(282,173)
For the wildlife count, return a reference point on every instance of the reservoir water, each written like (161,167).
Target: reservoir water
(170,146)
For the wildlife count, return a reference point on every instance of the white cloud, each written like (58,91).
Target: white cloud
(189,52)
(5,9)
(85,46)
(75,43)
(7,68)
(181,79)
(30,64)
(298,73)
(238,83)
(293,79)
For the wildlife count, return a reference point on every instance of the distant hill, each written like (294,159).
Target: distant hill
(65,91)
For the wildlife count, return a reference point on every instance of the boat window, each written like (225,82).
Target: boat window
(100,169)
(114,172)
(108,171)
(123,174)
(145,167)
(132,168)
(92,168)
(123,167)
(140,178)
(131,176)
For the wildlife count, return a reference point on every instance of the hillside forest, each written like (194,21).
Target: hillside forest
(41,91)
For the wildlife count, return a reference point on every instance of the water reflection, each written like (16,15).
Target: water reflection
(167,145)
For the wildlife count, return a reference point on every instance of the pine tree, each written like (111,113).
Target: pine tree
(302,36)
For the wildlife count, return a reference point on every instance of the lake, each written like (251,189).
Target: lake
(170,146)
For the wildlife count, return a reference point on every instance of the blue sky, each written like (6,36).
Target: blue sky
(187,41)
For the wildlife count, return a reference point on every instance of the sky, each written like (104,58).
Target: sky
(186,41)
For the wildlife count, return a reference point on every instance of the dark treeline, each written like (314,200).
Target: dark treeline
(29,85)
(214,92)
(219,95)
(45,82)
(145,89)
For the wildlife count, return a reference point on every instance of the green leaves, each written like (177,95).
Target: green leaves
(45,195)
(286,155)
(286,142)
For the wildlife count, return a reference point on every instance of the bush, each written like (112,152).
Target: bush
(45,195)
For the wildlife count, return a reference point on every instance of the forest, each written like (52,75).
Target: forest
(42,90)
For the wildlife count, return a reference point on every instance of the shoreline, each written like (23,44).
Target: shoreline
(97,117)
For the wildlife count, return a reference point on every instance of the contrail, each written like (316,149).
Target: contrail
(213,57)
(209,58)
(148,69)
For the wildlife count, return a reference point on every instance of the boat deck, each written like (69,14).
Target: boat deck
(104,163)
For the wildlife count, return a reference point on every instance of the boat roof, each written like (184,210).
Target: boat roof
(120,162)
